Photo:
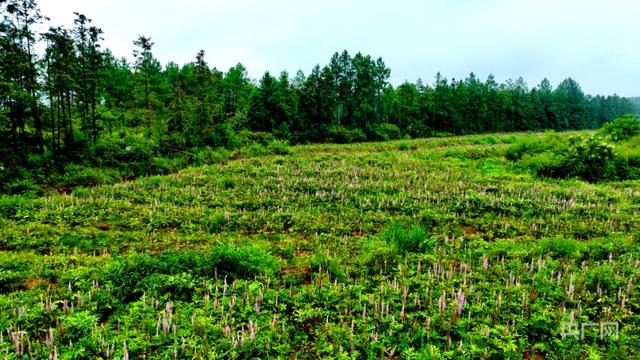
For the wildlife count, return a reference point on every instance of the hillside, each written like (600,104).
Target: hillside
(433,248)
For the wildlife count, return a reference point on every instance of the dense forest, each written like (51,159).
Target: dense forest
(636,102)
(77,105)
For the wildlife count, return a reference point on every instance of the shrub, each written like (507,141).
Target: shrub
(386,131)
(413,239)
(590,158)
(487,140)
(78,324)
(181,285)
(545,164)
(11,280)
(340,134)
(628,162)
(621,129)
(254,150)
(77,175)
(377,255)
(216,223)
(24,187)
(130,153)
(262,138)
(10,206)
(227,183)
(561,248)
(81,192)
(534,145)
(131,275)
(279,147)
(209,155)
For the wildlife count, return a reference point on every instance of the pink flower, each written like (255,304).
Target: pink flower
(460,302)
(252,330)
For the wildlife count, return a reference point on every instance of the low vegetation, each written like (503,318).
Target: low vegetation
(441,248)
(611,153)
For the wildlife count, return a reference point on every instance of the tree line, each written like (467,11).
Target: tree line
(59,104)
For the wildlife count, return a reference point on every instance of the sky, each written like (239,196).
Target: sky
(593,42)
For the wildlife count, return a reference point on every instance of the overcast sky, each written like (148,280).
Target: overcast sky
(594,42)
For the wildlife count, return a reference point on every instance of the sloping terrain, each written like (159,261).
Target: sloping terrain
(421,248)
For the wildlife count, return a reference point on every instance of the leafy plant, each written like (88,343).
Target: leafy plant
(621,129)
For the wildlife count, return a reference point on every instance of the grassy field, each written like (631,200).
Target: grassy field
(436,248)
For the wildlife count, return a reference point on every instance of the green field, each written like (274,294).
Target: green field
(432,248)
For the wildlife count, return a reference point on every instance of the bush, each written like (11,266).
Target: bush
(386,131)
(378,254)
(11,206)
(208,155)
(227,183)
(621,129)
(77,175)
(132,275)
(81,192)
(257,137)
(279,147)
(628,160)
(590,158)
(78,324)
(487,140)
(11,280)
(546,164)
(413,239)
(340,134)
(534,145)
(23,187)
(561,248)
(130,153)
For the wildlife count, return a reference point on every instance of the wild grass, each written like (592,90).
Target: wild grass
(431,248)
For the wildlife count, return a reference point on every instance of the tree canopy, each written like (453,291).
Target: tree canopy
(60,104)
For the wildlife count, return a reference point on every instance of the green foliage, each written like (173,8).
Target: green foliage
(11,281)
(77,175)
(344,251)
(621,129)
(227,183)
(534,145)
(78,324)
(133,275)
(14,206)
(413,239)
(403,146)
(342,135)
(590,158)
(378,255)
(564,248)
(278,147)
(131,154)
(386,131)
